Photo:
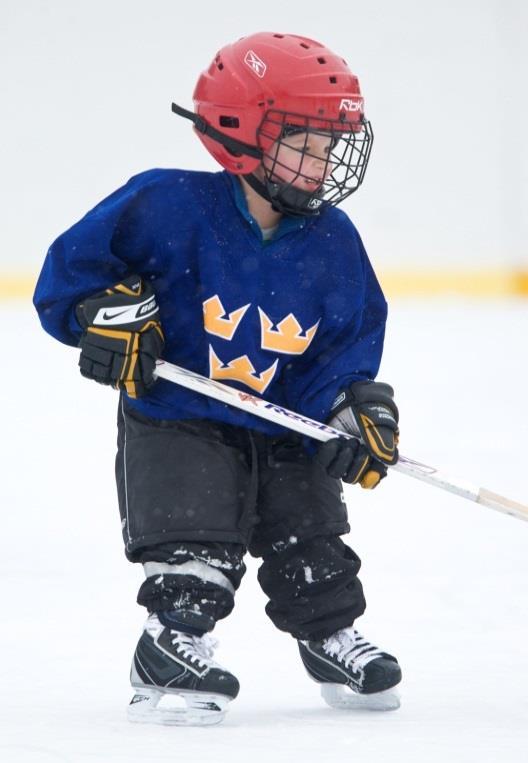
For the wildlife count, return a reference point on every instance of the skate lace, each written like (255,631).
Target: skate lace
(349,646)
(197,649)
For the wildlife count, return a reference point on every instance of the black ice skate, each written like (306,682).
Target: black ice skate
(168,665)
(352,672)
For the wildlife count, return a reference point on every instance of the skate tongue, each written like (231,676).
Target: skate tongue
(186,621)
(349,646)
(206,646)
(201,647)
(344,639)
(348,633)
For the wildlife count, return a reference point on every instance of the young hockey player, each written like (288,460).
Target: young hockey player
(250,276)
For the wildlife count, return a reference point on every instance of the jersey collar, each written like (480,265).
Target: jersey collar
(286,224)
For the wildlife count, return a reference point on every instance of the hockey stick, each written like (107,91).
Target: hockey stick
(323,432)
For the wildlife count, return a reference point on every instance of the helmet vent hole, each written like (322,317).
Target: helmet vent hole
(280,36)
(322,60)
(333,80)
(220,65)
(232,122)
(304,45)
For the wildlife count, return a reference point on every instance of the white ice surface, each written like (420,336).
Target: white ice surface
(446,580)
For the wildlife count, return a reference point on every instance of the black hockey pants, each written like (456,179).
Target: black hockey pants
(194,495)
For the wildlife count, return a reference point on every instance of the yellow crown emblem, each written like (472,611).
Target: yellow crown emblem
(215,321)
(287,337)
(242,370)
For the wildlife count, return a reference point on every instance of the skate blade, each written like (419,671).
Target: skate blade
(197,708)
(342,698)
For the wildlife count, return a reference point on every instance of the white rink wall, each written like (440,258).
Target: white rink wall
(86,104)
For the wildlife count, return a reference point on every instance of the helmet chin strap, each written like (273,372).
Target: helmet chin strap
(285,198)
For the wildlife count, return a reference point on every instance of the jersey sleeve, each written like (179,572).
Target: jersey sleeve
(95,253)
(341,357)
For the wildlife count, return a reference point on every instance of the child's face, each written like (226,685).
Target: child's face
(301,159)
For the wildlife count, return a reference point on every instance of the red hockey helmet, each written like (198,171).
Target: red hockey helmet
(265,85)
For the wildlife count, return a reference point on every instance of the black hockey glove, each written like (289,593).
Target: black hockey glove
(366,409)
(122,336)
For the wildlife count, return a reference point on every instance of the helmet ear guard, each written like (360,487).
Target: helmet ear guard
(223,147)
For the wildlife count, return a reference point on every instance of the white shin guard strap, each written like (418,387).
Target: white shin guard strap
(196,568)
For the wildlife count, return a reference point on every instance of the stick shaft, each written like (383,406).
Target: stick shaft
(319,431)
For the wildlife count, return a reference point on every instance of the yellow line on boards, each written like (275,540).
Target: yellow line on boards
(17,286)
(395,283)
(471,283)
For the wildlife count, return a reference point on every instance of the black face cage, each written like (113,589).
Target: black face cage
(341,170)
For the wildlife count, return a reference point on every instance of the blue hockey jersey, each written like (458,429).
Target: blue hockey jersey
(294,319)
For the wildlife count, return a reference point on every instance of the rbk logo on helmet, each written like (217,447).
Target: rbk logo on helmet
(255,63)
(351,104)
